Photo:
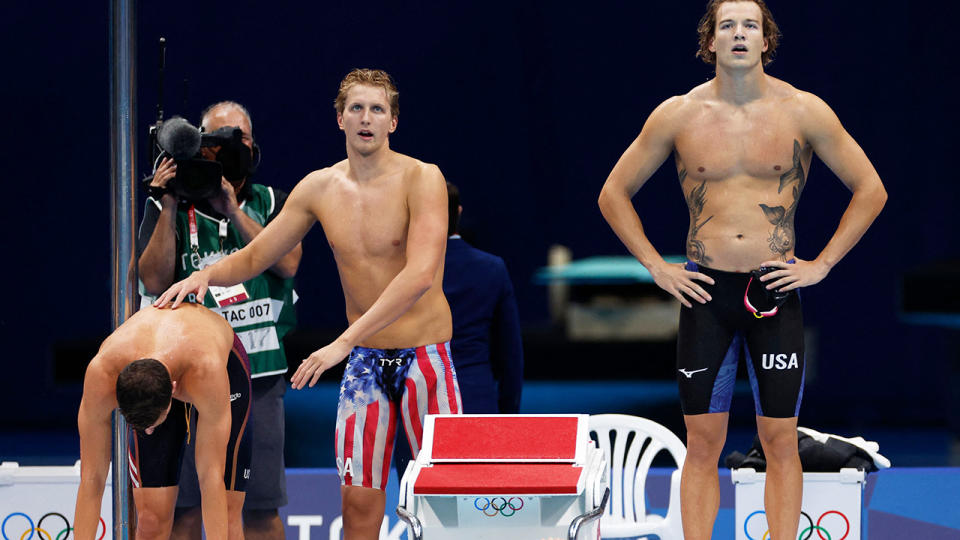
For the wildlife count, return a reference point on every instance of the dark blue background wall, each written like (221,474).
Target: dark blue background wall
(525,105)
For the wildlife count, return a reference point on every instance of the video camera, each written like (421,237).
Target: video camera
(198,178)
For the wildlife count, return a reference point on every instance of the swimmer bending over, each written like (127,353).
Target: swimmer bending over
(155,366)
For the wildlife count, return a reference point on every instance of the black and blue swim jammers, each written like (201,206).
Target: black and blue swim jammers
(714,336)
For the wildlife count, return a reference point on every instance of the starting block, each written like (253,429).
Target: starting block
(505,477)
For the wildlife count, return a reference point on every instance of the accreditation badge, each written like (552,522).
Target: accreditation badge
(224,296)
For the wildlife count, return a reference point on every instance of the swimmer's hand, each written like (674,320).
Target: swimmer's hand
(793,276)
(197,282)
(678,281)
(318,362)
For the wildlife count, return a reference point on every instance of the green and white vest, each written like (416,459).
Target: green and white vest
(261,321)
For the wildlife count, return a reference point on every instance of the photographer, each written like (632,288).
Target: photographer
(260,310)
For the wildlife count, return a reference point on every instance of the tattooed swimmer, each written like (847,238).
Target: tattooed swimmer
(742,144)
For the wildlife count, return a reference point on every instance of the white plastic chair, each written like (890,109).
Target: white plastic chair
(626,514)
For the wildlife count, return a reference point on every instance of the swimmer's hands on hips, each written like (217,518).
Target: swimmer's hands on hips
(197,282)
(679,282)
(318,362)
(789,276)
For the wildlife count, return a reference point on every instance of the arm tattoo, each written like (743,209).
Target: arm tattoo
(695,200)
(783,237)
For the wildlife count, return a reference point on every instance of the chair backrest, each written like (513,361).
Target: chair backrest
(629,459)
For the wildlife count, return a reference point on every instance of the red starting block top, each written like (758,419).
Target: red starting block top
(504,438)
(498,479)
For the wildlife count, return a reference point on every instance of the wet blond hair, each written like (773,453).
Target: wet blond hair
(368,77)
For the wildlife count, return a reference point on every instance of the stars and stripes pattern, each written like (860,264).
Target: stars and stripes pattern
(377,385)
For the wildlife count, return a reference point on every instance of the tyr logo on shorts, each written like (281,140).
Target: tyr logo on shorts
(390,361)
(780,361)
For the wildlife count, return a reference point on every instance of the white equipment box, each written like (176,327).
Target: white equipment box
(831,506)
(505,477)
(38,502)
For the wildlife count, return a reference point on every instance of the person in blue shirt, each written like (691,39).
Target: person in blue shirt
(487,350)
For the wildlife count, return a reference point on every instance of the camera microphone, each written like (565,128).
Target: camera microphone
(179,139)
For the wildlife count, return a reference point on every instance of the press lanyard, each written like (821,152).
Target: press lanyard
(195,238)
(223,296)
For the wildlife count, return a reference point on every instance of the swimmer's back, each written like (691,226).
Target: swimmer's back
(189,332)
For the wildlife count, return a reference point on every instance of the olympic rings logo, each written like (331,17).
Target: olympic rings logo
(807,532)
(506,508)
(43,534)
